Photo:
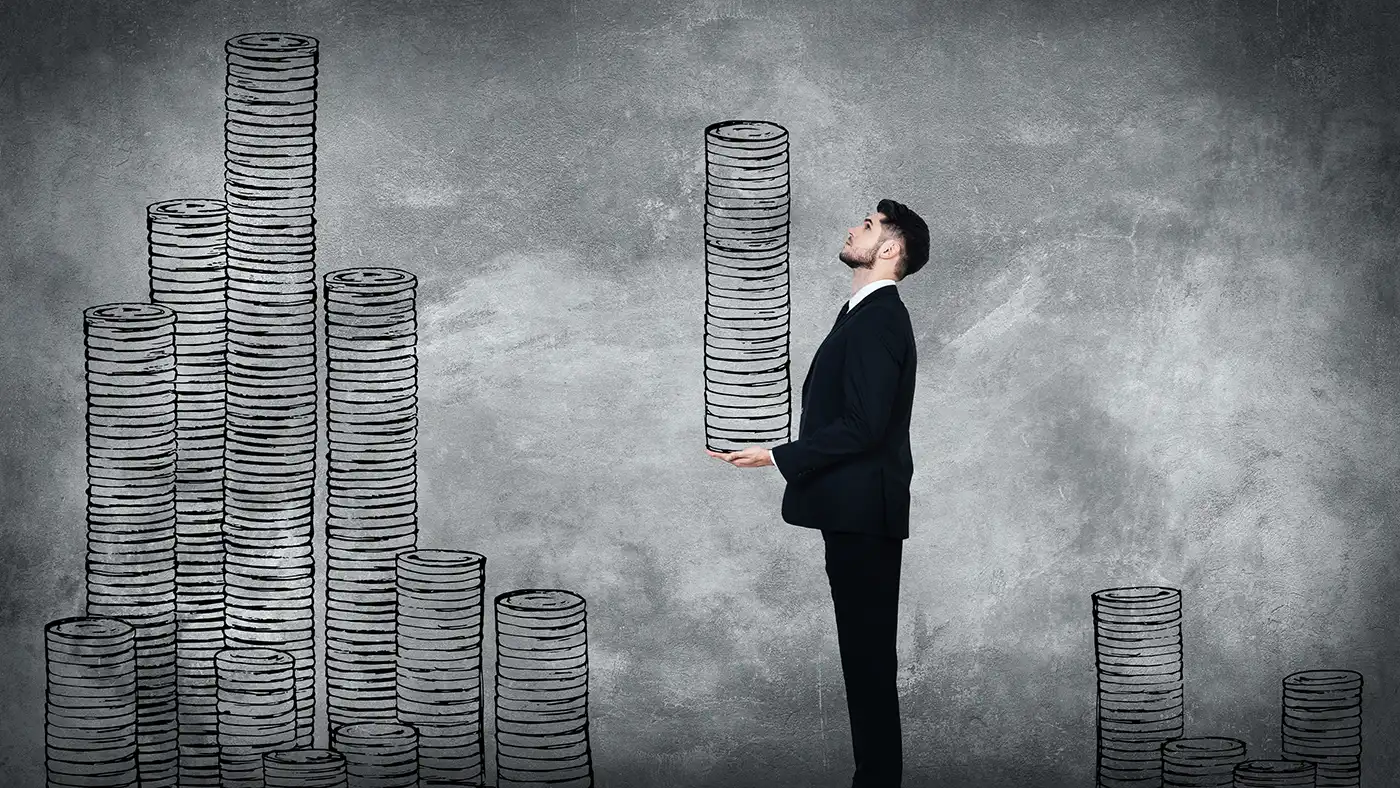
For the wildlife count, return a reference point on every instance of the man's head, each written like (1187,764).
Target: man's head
(894,238)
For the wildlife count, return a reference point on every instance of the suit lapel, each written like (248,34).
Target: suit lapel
(842,318)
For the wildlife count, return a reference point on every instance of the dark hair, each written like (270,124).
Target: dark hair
(911,230)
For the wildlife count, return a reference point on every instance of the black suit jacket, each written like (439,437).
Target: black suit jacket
(850,467)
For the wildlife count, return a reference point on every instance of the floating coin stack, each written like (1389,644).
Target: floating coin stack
(372,480)
(131,508)
(440,610)
(1275,774)
(257,711)
(304,769)
(542,689)
(1137,634)
(748,397)
(270,168)
(1204,762)
(378,754)
(1322,724)
(186,242)
(90,709)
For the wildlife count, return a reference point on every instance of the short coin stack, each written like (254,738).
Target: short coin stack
(90,714)
(1204,762)
(378,754)
(440,611)
(270,189)
(309,768)
(257,711)
(372,513)
(131,508)
(1137,637)
(186,240)
(542,689)
(748,395)
(1275,774)
(1322,724)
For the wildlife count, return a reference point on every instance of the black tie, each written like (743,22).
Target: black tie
(844,308)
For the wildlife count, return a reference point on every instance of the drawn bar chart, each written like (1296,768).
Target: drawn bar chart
(440,619)
(270,461)
(748,395)
(1138,655)
(131,450)
(542,689)
(372,514)
(90,708)
(1322,724)
(187,274)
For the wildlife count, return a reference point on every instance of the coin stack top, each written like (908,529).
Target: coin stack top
(306,768)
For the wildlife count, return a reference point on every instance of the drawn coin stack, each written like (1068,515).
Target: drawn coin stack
(187,272)
(748,396)
(1137,633)
(202,429)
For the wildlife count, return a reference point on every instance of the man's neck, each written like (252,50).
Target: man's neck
(861,277)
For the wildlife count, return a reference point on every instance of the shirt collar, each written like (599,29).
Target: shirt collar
(869,288)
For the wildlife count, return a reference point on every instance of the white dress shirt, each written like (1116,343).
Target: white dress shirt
(869,288)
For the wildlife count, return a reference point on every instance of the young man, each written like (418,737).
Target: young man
(849,470)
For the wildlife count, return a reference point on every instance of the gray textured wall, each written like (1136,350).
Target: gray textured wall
(1158,337)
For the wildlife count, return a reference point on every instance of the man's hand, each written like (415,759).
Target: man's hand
(752,457)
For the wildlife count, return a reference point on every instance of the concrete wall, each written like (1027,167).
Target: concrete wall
(1158,338)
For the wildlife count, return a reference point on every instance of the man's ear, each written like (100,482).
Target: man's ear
(891,249)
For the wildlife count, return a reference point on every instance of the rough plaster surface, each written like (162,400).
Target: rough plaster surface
(1158,338)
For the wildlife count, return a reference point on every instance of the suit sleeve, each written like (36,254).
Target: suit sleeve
(872,365)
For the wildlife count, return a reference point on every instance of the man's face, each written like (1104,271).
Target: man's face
(862,242)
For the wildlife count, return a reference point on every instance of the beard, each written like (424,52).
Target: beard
(853,258)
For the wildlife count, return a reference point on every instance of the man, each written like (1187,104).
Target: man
(849,470)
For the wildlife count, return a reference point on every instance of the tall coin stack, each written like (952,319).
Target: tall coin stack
(748,397)
(1137,635)
(1275,774)
(186,242)
(257,711)
(372,480)
(131,508)
(270,169)
(304,769)
(378,754)
(1322,724)
(1204,762)
(90,713)
(542,689)
(440,609)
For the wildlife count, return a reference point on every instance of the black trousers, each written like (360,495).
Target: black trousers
(863,570)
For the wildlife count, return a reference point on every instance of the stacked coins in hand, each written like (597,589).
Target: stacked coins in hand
(378,754)
(440,611)
(1322,724)
(748,396)
(1275,774)
(269,186)
(309,768)
(542,689)
(257,711)
(186,240)
(1204,762)
(90,714)
(1137,639)
(372,517)
(131,508)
